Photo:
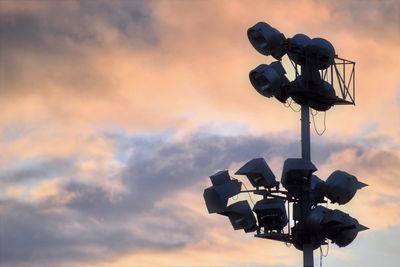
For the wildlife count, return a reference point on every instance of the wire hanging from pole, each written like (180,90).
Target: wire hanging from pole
(288,104)
(286,243)
(251,199)
(315,127)
(321,254)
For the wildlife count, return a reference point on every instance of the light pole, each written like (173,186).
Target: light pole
(317,69)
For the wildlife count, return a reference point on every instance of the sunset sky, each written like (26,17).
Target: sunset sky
(114,113)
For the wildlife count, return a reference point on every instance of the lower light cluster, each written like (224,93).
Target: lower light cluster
(304,195)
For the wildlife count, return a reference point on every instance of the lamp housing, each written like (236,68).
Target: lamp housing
(271,213)
(342,186)
(270,80)
(335,225)
(241,216)
(216,196)
(267,40)
(296,174)
(259,173)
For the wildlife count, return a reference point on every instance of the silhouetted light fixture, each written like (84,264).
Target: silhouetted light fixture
(296,174)
(341,187)
(223,188)
(241,216)
(258,173)
(266,40)
(270,80)
(271,213)
(335,225)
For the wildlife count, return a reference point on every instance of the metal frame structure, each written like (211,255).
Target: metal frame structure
(336,76)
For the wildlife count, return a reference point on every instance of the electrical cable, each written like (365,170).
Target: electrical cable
(246,189)
(288,206)
(327,251)
(321,254)
(320,257)
(289,104)
(286,104)
(315,127)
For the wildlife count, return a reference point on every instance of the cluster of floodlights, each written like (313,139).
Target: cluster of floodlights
(312,55)
(313,223)
(271,215)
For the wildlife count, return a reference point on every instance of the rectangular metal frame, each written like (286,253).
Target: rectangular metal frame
(336,74)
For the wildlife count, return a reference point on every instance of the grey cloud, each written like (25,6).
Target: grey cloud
(376,18)
(75,22)
(53,43)
(159,168)
(36,170)
(34,235)
(96,225)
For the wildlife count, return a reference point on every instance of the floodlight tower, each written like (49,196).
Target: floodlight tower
(317,69)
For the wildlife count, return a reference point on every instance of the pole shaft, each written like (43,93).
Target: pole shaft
(308,251)
(305,132)
(308,257)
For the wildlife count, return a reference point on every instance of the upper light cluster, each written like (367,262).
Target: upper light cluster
(313,55)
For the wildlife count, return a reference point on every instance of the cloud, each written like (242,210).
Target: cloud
(146,214)
(36,169)
(372,18)
(153,65)
(42,236)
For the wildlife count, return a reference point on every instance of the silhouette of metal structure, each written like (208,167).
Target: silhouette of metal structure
(318,72)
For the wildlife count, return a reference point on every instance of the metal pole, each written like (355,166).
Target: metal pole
(308,257)
(305,133)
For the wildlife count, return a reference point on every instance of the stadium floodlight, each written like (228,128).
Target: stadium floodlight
(296,174)
(216,196)
(318,75)
(267,40)
(342,186)
(271,213)
(241,216)
(297,45)
(317,51)
(317,189)
(316,93)
(258,173)
(269,80)
(220,177)
(322,51)
(335,225)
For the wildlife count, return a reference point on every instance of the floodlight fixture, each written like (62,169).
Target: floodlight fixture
(317,190)
(267,40)
(220,177)
(342,186)
(322,52)
(216,196)
(241,216)
(317,52)
(269,80)
(316,93)
(296,48)
(335,225)
(271,213)
(258,173)
(296,174)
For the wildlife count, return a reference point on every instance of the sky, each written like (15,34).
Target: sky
(114,114)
